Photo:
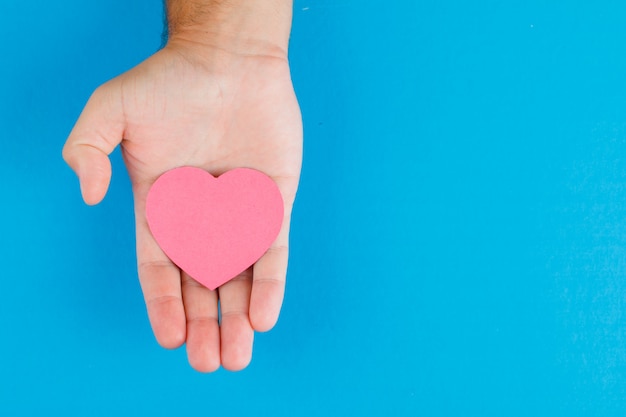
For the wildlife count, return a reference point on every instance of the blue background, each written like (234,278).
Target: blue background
(459,238)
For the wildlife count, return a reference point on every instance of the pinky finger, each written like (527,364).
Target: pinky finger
(268,285)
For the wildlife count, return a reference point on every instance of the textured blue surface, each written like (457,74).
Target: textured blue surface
(459,239)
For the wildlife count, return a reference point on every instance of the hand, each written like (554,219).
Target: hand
(196,104)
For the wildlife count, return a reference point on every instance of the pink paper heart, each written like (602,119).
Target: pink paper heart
(214,228)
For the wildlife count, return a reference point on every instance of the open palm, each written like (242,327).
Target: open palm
(217,111)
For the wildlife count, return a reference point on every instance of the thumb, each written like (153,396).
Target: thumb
(97,132)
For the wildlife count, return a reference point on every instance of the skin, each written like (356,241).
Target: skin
(218,96)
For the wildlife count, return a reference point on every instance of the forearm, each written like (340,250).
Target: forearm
(242,26)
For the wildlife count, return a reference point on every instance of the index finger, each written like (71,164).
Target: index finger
(160,281)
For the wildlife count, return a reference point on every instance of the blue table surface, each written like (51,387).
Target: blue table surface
(459,237)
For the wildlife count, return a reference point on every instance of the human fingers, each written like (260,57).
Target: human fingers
(268,283)
(236,333)
(97,132)
(160,282)
(203,332)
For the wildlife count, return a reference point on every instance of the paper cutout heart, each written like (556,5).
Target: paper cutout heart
(214,228)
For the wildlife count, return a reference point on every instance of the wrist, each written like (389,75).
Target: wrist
(259,27)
